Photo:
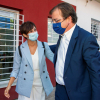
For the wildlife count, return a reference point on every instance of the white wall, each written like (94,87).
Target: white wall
(86,11)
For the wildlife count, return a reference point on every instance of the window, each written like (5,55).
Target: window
(52,36)
(95,29)
(9,40)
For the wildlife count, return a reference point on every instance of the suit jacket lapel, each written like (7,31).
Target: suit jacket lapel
(55,56)
(27,53)
(71,48)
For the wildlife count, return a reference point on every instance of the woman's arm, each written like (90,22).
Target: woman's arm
(14,73)
(48,53)
(6,92)
(16,64)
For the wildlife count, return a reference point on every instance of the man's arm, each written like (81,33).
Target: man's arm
(91,55)
(52,47)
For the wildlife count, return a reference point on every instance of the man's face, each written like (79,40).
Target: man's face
(57,17)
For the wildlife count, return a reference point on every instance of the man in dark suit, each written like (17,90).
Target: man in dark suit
(77,59)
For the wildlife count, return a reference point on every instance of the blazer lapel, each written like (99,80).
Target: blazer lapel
(27,53)
(55,56)
(40,53)
(71,48)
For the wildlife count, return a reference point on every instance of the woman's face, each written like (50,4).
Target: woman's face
(31,31)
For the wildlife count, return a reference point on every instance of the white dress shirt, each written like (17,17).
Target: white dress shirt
(61,54)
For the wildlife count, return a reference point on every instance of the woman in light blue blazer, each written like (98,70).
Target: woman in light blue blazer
(30,66)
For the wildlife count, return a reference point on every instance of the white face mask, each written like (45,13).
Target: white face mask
(33,36)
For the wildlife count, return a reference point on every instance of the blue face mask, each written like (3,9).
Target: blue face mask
(33,36)
(58,29)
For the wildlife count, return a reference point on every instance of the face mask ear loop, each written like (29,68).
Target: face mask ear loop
(64,19)
(67,25)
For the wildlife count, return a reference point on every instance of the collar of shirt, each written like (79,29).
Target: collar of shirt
(69,33)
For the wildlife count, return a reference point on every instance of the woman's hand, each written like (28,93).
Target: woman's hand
(6,92)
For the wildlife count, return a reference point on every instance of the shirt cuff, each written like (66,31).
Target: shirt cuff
(13,74)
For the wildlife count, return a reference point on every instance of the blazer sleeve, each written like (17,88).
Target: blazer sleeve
(91,56)
(48,53)
(16,64)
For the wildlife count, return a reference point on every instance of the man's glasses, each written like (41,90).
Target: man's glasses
(56,21)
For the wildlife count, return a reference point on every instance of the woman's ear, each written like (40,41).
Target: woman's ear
(25,35)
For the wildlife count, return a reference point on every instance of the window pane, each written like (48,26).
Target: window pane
(3,42)
(6,48)
(95,29)
(5,70)
(52,36)
(5,65)
(9,37)
(5,57)
(4,77)
(6,31)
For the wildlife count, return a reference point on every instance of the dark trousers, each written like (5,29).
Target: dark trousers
(61,93)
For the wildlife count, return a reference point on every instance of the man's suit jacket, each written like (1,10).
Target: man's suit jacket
(82,66)
(23,68)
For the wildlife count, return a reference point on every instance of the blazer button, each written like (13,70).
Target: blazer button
(43,71)
(24,78)
(26,65)
(25,72)
(46,77)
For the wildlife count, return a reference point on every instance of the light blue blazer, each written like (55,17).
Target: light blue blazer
(23,69)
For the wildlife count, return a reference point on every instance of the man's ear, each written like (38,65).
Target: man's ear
(70,19)
(25,35)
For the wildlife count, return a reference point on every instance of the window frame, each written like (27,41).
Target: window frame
(17,35)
